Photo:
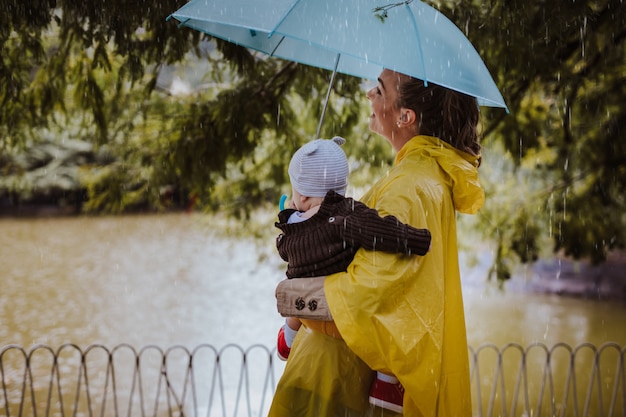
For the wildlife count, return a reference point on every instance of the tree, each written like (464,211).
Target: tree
(108,57)
(560,67)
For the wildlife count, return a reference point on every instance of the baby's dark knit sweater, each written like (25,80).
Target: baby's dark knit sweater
(326,242)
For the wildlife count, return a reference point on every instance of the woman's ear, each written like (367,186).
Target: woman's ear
(407,117)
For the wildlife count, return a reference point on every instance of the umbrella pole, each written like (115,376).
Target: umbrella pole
(330,87)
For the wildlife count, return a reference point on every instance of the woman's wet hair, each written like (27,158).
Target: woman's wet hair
(447,114)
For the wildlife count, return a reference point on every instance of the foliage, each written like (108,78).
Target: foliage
(561,68)
(93,71)
(516,218)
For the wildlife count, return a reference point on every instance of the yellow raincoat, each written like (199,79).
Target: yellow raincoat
(397,314)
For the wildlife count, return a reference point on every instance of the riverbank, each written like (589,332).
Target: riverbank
(579,278)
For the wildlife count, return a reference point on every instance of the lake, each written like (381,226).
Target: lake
(183,279)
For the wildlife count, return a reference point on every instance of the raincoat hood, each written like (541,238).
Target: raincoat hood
(460,167)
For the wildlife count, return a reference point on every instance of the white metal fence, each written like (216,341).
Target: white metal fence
(511,380)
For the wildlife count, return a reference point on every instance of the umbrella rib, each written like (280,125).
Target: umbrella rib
(184,23)
(419,42)
(282,19)
(181,24)
(277,45)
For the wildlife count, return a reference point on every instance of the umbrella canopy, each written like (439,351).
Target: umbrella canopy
(355,37)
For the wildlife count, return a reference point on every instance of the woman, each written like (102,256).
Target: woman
(395,314)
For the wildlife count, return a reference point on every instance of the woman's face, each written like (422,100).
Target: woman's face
(384,98)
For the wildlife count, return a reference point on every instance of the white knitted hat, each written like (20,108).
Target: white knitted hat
(318,167)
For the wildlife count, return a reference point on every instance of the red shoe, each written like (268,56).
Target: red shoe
(282,350)
(387,395)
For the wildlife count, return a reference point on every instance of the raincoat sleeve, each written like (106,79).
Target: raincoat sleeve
(404,315)
(379,291)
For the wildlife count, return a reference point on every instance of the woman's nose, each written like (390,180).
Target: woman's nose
(369,93)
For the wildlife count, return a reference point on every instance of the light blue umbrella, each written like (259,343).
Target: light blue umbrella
(355,37)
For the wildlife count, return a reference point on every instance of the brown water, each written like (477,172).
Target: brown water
(173,280)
